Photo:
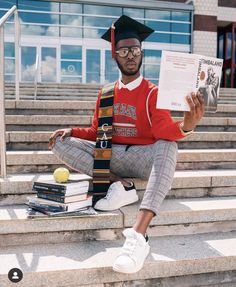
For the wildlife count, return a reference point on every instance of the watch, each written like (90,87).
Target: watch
(183,132)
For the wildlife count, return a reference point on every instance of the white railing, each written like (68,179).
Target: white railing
(36,75)
(4,18)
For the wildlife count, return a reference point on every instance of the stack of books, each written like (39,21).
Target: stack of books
(54,199)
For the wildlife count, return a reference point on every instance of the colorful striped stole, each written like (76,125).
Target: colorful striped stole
(103,148)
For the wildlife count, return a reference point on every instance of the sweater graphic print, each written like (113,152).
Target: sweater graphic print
(125,124)
(135,118)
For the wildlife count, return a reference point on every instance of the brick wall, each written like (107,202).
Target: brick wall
(205,27)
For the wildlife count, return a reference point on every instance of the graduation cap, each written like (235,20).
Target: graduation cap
(125,28)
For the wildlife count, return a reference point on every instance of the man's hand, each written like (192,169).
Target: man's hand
(197,109)
(63,133)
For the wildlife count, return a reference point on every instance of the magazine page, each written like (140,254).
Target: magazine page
(178,76)
(208,81)
(183,73)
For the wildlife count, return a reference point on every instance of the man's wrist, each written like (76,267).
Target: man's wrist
(183,131)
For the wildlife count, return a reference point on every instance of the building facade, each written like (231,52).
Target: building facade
(62,38)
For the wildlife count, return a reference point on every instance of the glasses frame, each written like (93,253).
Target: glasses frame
(129,49)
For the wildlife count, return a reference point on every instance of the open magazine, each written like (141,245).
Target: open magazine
(183,73)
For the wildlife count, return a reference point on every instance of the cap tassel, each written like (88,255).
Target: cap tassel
(113,51)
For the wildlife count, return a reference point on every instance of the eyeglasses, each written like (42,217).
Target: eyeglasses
(124,51)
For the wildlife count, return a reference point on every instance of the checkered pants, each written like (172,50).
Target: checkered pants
(155,162)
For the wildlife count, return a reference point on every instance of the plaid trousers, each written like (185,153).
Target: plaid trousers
(155,162)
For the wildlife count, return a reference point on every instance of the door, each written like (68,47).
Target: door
(227,51)
(28,58)
(48,64)
(93,66)
(111,69)
(46,68)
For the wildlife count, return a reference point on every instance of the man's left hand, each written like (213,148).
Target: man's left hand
(197,109)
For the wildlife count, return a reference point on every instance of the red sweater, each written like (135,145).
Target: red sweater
(136,120)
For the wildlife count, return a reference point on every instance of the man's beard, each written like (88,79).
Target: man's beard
(129,73)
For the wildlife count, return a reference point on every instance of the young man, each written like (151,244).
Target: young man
(143,141)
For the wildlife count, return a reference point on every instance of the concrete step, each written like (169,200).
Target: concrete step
(82,95)
(28,85)
(224,109)
(214,124)
(92,96)
(55,97)
(28,107)
(28,140)
(51,122)
(46,161)
(228,102)
(176,217)
(230,97)
(45,122)
(54,92)
(81,263)
(73,89)
(186,184)
(53,107)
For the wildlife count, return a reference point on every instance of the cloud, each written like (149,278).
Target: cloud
(28,72)
(39,30)
(48,70)
(9,66)
(91,33)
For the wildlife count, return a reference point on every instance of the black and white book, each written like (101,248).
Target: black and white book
(53,206)
(183,73)
(62,198)
(37,213)
(65,189)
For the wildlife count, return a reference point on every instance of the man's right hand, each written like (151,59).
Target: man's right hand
(63,133)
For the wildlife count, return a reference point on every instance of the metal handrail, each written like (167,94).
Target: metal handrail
(36,74)
(2,84)
(7,15)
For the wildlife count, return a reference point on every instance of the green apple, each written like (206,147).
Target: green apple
(61,174)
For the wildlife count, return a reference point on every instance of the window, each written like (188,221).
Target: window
(71,20)
(98,18)
(151,65)
(71,63)
(28,58)
(38,5)
(170,26)
(60,20)
(9,51)
(134,13)
(93,66)
(111,69)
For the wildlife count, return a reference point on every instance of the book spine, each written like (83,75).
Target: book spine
(54,197)
(49,192)
(50,185)
(47,207)
(48,188)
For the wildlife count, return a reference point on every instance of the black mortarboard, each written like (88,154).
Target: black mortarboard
(124,28)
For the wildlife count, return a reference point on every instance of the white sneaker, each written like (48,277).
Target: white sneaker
(133,253)
(117,196)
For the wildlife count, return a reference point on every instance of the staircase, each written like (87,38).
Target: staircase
(193,239)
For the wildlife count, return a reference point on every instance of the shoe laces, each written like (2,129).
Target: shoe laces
(108,195)
(130,246)
(110,191)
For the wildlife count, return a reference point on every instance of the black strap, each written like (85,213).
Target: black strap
(103,148)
